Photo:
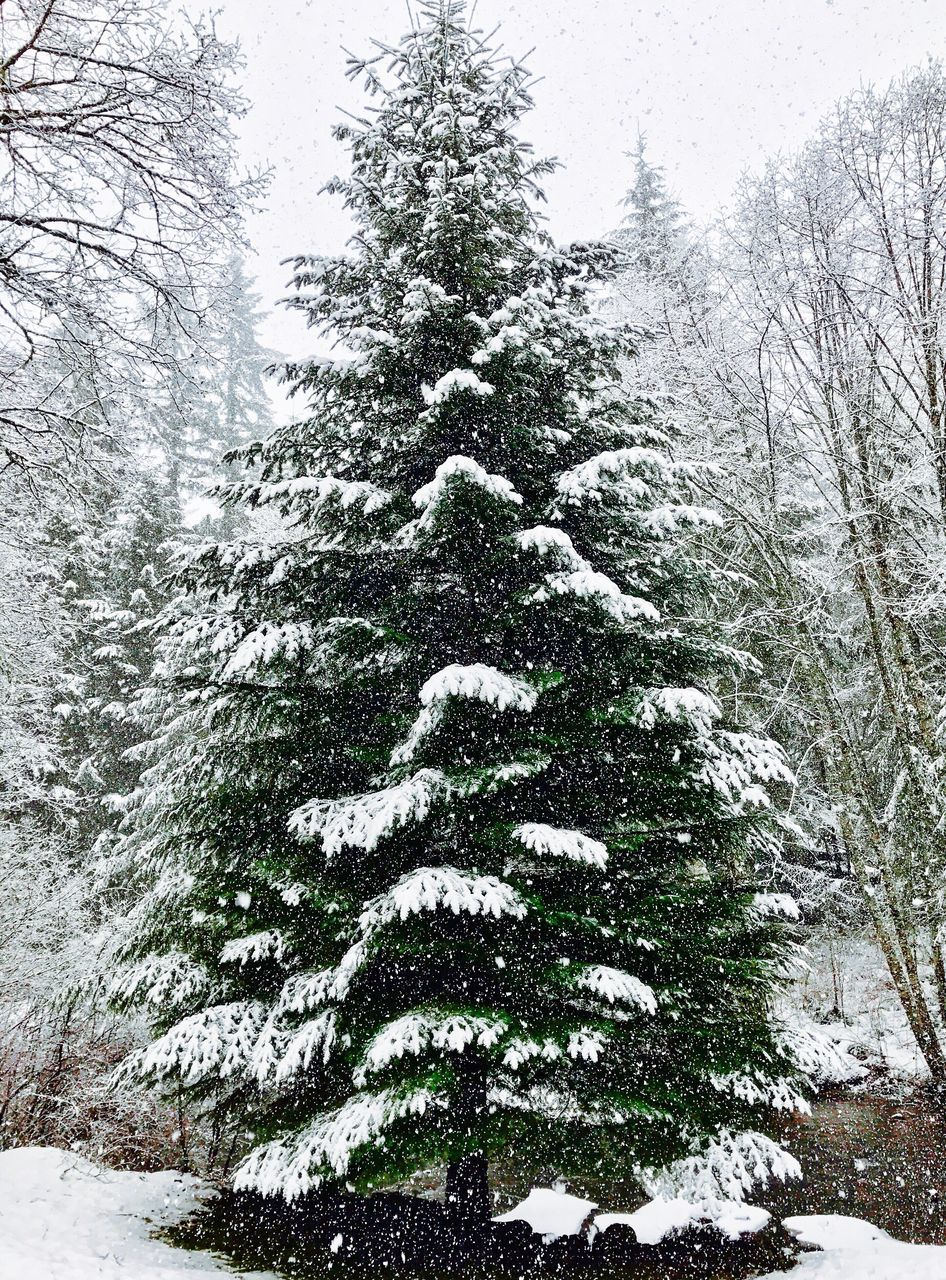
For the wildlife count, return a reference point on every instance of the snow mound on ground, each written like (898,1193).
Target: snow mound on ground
(834,1231)
(654,1220)
(64,1218)
(662,1216)
(550,1213)
(857,1250)
(554,1213)
(734,1219)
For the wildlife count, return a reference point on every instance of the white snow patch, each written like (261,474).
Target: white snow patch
(415,1032)
(316,1036)
(562,843)
(585,584)
(737,763)
(360,822)
(521,1050)
(616,985)
(480,683)
(586,1043)
(834,1231)
(688,705)
(547,540)
(735,1219)
(767,905)
(609,471)
(664,1215)
(293,1165)
(654,1220)
(668,519)
(550,1213)
(265,643)
(458,465)
(217,1041)
(255,947)
(856,1250)
(428,720)
(163,981)
(777,1092)
(64,1218)
(456,380)
(318,490)
(436,888)
(476,682)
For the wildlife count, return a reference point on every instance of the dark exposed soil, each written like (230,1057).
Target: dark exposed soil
(863,1155)
(870,1157)
(394,1235)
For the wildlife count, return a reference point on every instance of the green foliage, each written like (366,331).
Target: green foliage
(451,848)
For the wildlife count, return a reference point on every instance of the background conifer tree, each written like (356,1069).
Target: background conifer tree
(654,230)
(209,395)
(111,587)
(451,846)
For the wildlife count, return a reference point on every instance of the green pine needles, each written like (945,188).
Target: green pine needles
(450,843)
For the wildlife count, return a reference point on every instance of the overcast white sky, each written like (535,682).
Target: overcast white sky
(715,84)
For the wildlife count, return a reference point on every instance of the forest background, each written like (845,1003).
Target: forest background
(797,341)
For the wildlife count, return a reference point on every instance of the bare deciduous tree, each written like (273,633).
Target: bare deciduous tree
(118,188)
(821,378)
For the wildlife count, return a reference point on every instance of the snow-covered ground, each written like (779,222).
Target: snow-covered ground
(850,1249)
(855,1250)
(64,1218)
(847,995)
(551,1213)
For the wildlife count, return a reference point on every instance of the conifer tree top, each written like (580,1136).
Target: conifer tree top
(654,226)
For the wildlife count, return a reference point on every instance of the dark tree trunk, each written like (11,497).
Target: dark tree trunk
(467,1196)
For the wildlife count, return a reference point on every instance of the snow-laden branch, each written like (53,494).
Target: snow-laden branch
(361,822)
(562,843)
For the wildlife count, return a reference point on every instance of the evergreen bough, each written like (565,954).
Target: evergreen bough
(451,846)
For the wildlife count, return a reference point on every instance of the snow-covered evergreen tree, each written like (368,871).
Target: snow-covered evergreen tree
(209,396)
(244,403)
(111,588)
(654,228)
(243,409)
(106,550)
(28,633)
(451,846)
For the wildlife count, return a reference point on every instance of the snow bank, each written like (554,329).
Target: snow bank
(834,1231)
(556,1213)
(850,1249)
(550,1213)
(64,1218)
(654,1220)
(663,1216)
(856,1250)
